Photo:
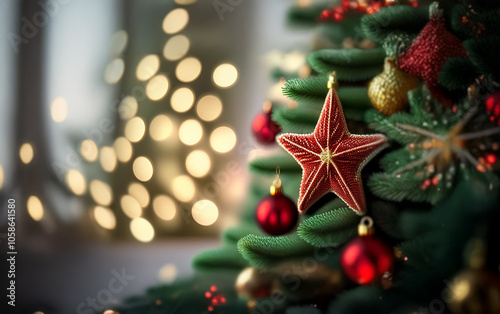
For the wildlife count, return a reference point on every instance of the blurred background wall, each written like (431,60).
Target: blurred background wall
(125,130)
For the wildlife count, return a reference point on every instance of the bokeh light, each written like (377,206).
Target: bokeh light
(105,217)
(123,149)
(225,75)
(140,193)
(35,208)
(1,176)
(205,212)
(135,129)
(183,188)
(182,99)
(114,71)
(89,150)
(188,70)
(128,108)
(130,206)
(164,207)
(143,168)
(168,273)
(198,163)
(118,42)
(222,139)
(26,153)
(160,127)
(59,109)
(176,47)
(101,192)
(190,132)
(76,182)
(142,229)
(175,21)
(185,2)
(108,159)
(147,67)
(157,87)
(209,108)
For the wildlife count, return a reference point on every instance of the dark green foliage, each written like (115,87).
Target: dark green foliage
(223,258)
(484,53)
(268,164)
(332,228)
(396,20)
(298,15)
(351,65)
(297,120)
(458,74)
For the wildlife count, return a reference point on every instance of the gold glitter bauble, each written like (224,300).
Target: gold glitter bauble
(475,291)
(388,90)
(254,283)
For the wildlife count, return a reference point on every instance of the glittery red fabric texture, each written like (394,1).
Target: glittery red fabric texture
(331,158)
(429,51)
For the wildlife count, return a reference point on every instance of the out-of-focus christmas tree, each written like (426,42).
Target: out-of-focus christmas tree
(402,221)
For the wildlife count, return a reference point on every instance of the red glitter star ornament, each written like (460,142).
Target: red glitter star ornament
(331,158)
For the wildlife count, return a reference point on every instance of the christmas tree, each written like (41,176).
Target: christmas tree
(391,157)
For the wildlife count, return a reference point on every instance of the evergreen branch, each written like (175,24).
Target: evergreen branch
(351,65)
(311,91)
(297,120)
(458,73)
(224,257)
(267,251)
(397,188)
(332,228)
(233,235)
(267,165)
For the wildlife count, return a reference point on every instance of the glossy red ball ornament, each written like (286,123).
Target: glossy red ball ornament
(366,259)
(276,214)
(263,127)
(492,104)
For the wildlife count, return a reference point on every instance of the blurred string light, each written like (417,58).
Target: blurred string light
(225,75)
(26,153)
(142,229)
(76,182)
(114,71)
(175,21)
(128,108)
(135,129)
(188,70)
(185,2)
(101,192)
(198,163)
(176,47)
(108,159)
(183,188)
(35,208)
(130,206)
(209,108)
(190,132)
(118,42)
(182,99)
(160,127)
(89,150)
(205,212)
(123,149)
(223,139)
(164,207)
(168,273)
(140,193)
(147,67)
(143,168)
(157,87)
(105,217)
(59,109)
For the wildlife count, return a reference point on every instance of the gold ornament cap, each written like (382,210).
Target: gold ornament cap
(276,188)
(365,227)
(332,80)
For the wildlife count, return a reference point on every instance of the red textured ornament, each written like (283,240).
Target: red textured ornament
(429,51)
(366,259)
(331,158)
(492,104)
(263,127)
(276,214)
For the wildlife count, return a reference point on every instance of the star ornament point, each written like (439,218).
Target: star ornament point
(331,158)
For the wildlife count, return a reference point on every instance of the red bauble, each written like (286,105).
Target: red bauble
(430,50)
(366,259)
(264,128)
(492,104)
(276,214)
